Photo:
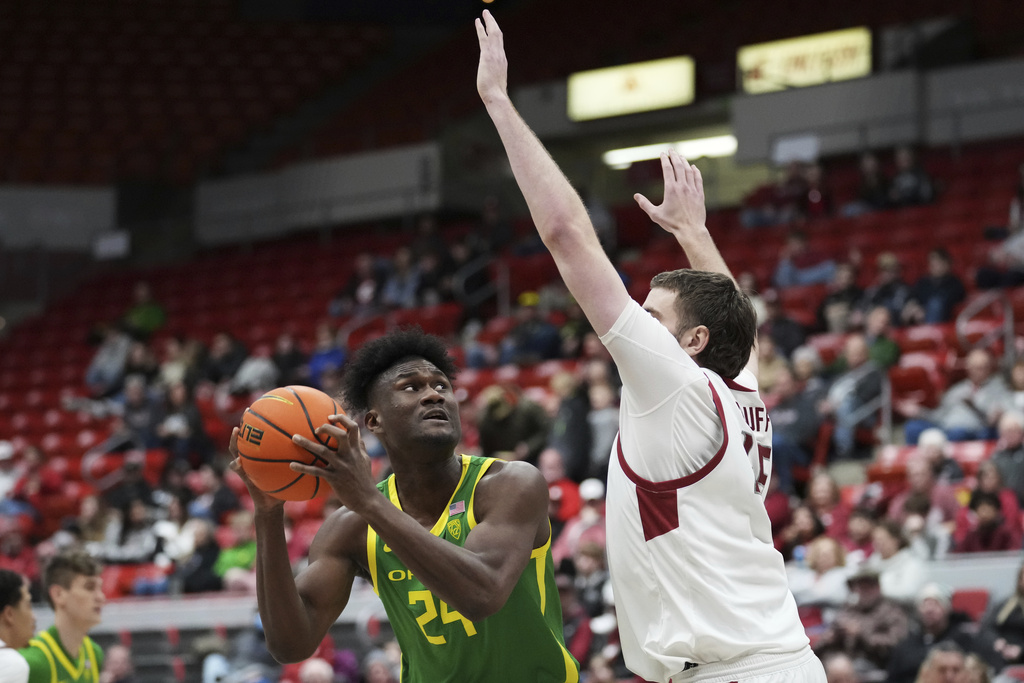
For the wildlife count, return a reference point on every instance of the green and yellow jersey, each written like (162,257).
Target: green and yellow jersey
(49,663)
(521,642)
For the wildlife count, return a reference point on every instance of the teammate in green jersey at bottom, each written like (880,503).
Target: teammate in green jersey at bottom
(457,547)
(64,653)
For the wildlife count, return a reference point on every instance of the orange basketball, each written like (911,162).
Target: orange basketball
(265,444)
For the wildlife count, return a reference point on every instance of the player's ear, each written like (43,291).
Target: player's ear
(372,420)
(696,340)
(56,594)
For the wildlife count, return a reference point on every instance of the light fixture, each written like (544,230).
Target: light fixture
(715,146)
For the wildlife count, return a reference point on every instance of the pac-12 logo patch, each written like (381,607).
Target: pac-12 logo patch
(455,528)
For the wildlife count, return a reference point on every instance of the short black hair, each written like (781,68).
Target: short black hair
(979,498)
(62,569)
(376,357)
(713,300)
(10,588)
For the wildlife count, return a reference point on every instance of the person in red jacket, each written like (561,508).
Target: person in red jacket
(992,534)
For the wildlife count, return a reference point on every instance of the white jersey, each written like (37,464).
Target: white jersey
(695,575)
(13,667)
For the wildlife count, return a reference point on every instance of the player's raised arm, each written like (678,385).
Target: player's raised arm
(556,209)
(682,213)
(296,613)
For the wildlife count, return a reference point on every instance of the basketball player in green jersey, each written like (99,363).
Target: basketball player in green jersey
(64,653)
(457,547)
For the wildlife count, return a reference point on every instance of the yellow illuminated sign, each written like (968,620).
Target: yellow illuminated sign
(809,60)
(631,88)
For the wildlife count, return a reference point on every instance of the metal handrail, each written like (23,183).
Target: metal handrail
(974,308)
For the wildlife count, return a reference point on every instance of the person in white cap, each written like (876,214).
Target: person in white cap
(937,622)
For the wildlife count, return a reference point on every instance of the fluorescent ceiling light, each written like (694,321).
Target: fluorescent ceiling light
(716,146)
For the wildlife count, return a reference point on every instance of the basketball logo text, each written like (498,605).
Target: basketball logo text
(252,435)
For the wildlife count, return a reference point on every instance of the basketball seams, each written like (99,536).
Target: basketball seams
(282,431)
(309,420)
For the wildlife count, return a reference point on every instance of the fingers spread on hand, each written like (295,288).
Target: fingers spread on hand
(311,446)
(233,442)
(667,169)
(329,430)
(306,469)
(644,203)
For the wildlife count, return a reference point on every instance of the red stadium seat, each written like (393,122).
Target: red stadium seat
(970,601)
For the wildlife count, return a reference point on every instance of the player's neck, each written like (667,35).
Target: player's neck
(71,634)
(426,486)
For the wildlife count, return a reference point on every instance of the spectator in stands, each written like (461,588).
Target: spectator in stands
(843,295)
(563,492)
(823,497)
(882,349)
(16,553)
(96,521)
(805,526)
(1009,454)
(435,284)
(176,534)
(786,333)
(777,504)
(532,339)
(235,564)
(795,424)
(992,532)
(570,429)
(471,277)
(936,622)
(868,628)
(575,620)
(9,475)
(587,526)
(976,670)
(133,540)
(117,665)
(911,184)
(1005,264)
(936,294)
(1015,223)
(921,480)
(822,579)
(136,420)
(181,360)
(225,357)
(105,373)
(933,446)
(402,283)
(852,397)
(132,485)
(329,354)
(858,540)
(591,576)
(1016,385)
(1005,618)
(808,371)
(603,419)
(362,294)
(989,481)
(316,670)
(747,282)
(290,361)
(36,483)
(944,663)
(181,431)
(800,265)
(887,289)
(141,362)
(770,364)
(778,204)
(901,572)
(146,315)
(873,193)
(214,498)
(839,668)
(511,425)
(196,573)
(969,409)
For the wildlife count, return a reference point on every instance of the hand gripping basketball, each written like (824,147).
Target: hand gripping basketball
(346,468)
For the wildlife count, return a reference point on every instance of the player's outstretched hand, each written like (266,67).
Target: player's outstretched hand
(492,74)
(348,467)
(682,211)
(262,501)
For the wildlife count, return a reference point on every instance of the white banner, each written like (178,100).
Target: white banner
(631,88)
(809,60)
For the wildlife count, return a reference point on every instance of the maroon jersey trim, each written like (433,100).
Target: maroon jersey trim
(732,384)
(688,480)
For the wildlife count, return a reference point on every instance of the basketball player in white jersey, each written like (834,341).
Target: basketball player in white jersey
(700,592)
